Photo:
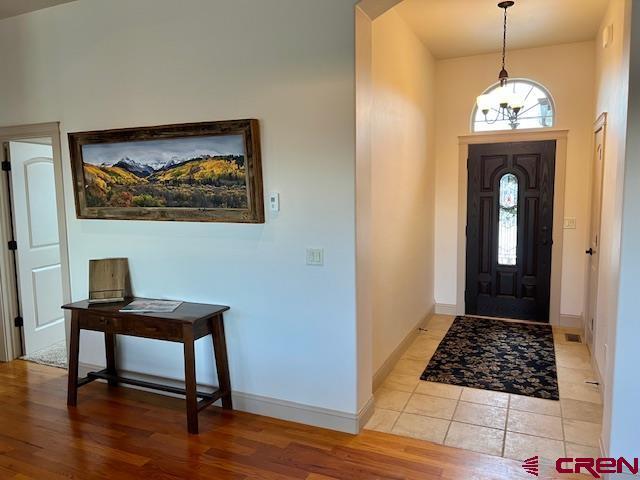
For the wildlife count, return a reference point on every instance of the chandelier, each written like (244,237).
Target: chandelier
(505,104)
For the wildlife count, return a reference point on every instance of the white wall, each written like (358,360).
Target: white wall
(93,64)
(615,326)
(568,72)
(402,183)
(624,435)
(612,78)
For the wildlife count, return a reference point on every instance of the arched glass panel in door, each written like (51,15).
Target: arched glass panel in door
(508,220)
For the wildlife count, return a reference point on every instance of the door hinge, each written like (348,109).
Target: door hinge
(6,166)
(18,322)
(13,245)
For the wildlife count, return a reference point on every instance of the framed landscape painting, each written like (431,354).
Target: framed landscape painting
(199,172)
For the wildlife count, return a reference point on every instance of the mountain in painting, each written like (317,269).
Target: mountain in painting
(201,182)
(134,167)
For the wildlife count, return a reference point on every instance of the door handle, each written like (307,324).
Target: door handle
(590,252)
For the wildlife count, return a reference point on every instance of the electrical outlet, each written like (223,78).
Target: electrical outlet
(315,256)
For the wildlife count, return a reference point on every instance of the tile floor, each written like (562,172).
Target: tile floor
(496,423)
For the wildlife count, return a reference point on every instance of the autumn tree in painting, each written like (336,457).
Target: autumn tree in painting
(211,182)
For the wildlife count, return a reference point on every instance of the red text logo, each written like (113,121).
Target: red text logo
(597,466)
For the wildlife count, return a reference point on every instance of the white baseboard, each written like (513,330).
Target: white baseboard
(446,309)
(298,412)
(571,321)
(365,414)
(267,406)
(601,447)
(393,358)
(599,378)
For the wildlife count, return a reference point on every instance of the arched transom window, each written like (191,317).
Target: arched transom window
(533,101)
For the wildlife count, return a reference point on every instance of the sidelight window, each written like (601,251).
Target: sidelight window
(508,220)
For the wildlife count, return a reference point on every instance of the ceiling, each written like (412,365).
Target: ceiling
(11,8)
(457,28)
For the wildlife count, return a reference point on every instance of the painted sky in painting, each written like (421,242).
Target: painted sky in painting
(160,152)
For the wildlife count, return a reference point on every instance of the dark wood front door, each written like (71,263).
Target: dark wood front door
(510,229)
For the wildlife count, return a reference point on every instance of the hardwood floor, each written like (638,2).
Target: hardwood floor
(128,434)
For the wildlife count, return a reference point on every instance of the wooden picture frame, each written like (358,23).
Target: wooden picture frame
(195,172)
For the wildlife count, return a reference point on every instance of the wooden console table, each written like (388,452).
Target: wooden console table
(189,322)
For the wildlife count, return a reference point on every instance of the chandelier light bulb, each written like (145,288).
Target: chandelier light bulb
(516,101)
(485,103)
(503,96)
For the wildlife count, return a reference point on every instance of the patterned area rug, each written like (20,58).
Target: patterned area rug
(495,355)
(54,356)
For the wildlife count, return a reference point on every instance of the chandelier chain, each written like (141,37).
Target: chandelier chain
(507,108)
(504,39)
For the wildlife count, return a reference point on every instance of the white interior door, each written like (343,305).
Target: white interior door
(594,236)
(35,218)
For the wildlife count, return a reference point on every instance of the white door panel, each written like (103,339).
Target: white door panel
(41,202)
(35,220)
(47,291)
(594,238)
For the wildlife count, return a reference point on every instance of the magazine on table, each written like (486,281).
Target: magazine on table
(151,306)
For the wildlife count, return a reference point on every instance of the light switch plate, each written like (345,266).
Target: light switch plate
(570,223)
(315,256)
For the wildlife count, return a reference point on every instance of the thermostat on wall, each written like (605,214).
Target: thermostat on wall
(274,201)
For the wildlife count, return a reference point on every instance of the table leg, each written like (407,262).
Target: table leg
(74,351)
(190,378)
(110,349)
(222,362)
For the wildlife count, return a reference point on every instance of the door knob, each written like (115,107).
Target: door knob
(590,252)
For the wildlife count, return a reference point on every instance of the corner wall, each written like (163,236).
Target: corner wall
(402,183)
(624,434)
(617,325)
(93,64)
(612,83)
(364,255)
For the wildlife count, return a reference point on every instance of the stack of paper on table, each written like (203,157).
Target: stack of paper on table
(151,306)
